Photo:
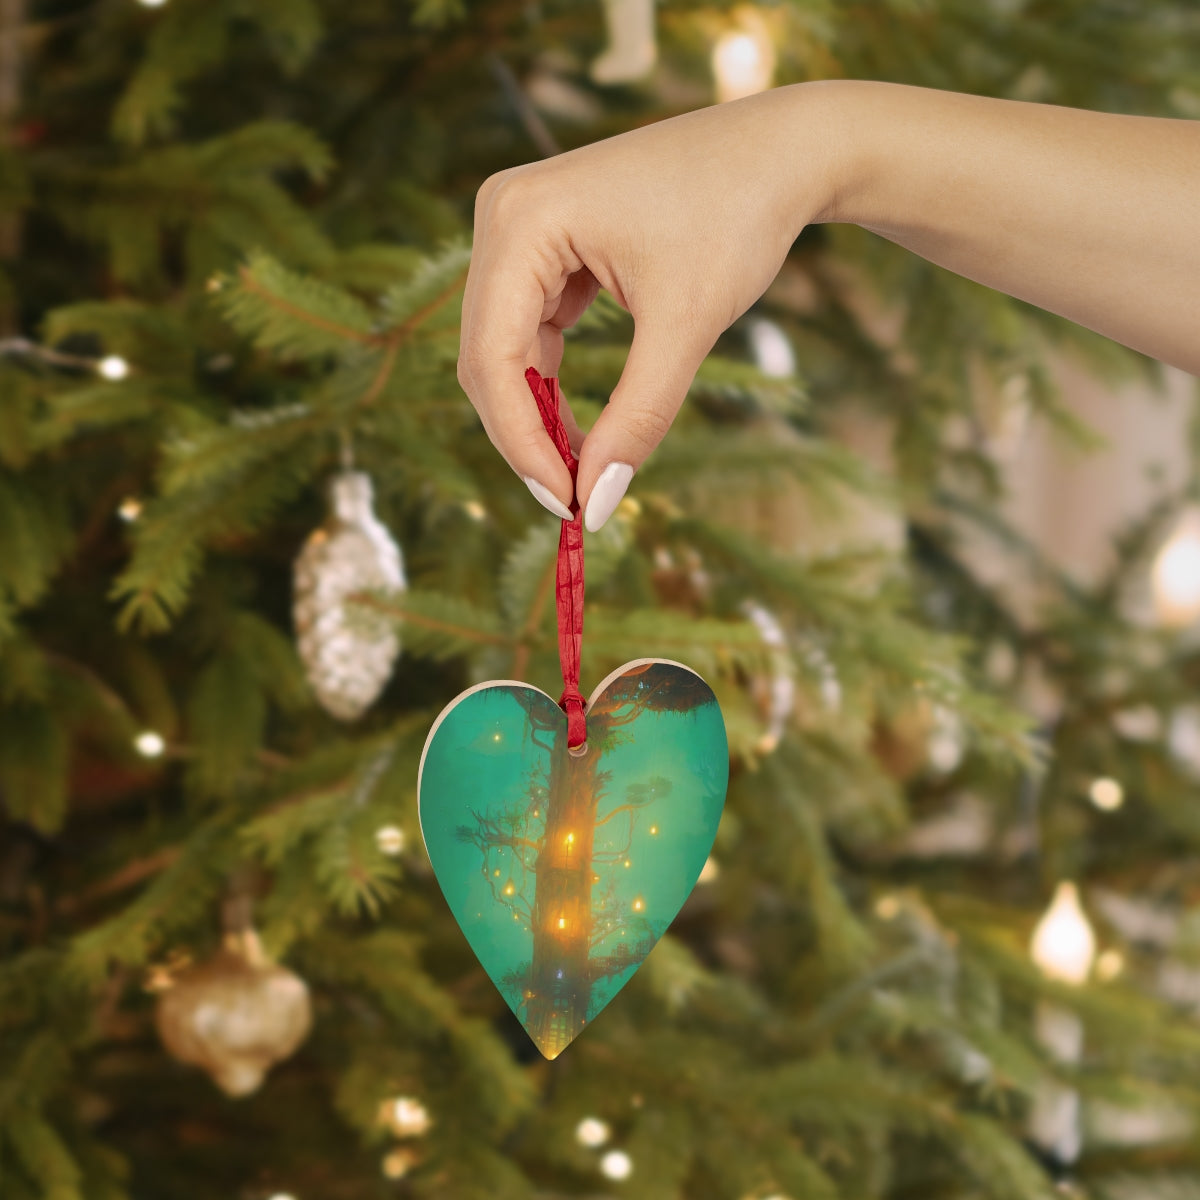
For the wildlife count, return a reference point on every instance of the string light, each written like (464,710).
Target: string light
(773,353)
(129,509)
(592,1132)
(616,1164)
(1106,794)
(149,744)
(743,60)
(113,367)
(474,510)
(152,3)
(639,905)
(390,840)
(396,1164)
(1176,575)
(1110,964)
(887,908)
(407,1117)
(1064,944)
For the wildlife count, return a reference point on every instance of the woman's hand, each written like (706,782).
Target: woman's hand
(684,222)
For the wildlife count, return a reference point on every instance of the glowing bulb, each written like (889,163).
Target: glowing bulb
(1110,964)
(562,922)
(496,873)
(654,831)
(152,3)
(497,737)
(591,1131)
(1176,576)
(570,839)
(628,863)
(616,1164)
(639,905)
(474,510)
(1063,943)
(887,908)
(408,1117)
(396,1164)
(389,839)
(773,354)
(113,367)
(149,744)
(743,62)
(510,888)
(129,509)
(1107,794)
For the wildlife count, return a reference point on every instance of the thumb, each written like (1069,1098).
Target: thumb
(658,372)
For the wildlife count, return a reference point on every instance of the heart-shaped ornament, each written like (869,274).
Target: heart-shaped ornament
(564,868)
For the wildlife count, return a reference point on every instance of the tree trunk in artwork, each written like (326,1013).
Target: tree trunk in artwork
(560,977)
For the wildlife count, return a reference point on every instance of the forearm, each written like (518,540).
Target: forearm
(1091,215)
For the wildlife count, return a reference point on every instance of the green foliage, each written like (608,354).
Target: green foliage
(262,206)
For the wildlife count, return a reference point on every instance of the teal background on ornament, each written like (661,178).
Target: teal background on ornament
(563,873)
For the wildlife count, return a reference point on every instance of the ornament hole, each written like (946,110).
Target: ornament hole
(577,751)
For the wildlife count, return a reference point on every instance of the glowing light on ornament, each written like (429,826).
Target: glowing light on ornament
(129,509)
(390,840)
(632,49)
(1064,945)
(1176,575)
(773,353)
(408,1117)
(113,367)
(616,1164)
(654,831)
(1110,964)
(639,905)
(743,60)
(1106,794)
(592,1132)
(149,744)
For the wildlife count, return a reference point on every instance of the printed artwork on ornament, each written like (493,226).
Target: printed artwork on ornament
(564,869)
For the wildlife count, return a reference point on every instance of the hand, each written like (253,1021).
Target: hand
(685,223)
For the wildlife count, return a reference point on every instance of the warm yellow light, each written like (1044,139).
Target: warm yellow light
(1110,964)
(149,744)
(408,1117)
(152,3)
(129,509)
(113,367)
(1064,945)
(628,863)
(474,510)
(497,737)
(710,872)
(496,872)
(389,839)
(743,61)
(510,888)
(562,922)
(592,1132)
(396,1164)
(654,831)
(887,908)
(570,839)
(1107,794)
(1176,576)
(639,904)
(616,1164)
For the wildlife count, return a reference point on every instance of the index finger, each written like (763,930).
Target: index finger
(507,291)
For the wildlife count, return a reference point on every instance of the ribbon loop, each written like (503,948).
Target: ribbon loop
(568,579)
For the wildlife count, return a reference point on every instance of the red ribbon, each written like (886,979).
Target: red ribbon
(568,580)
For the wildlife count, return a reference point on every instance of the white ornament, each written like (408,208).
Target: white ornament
(348,651)
(632,49)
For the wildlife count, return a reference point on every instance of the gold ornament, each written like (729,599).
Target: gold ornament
(348,653)
(235,1015)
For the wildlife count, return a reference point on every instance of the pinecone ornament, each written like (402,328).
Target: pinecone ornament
(348,651)
(235,1015)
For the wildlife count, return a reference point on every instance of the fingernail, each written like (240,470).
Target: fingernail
(547,499)
(606,495)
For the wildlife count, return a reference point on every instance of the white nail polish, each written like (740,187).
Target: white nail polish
(606,495)
(546,498)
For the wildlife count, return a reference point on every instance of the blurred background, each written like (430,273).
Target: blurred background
(253,540)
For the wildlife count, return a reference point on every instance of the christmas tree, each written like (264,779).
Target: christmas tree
(253,539)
